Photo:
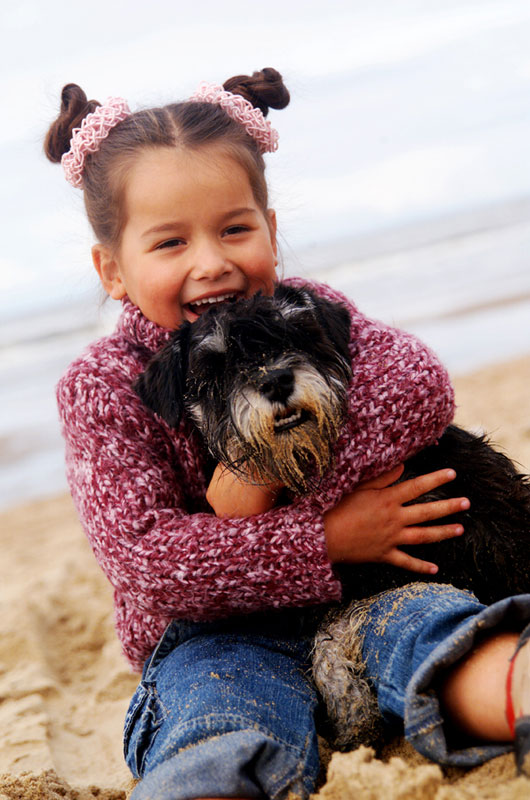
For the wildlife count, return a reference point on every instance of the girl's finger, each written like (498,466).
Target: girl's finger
(425,512)
(433,533)
(402,560)
(416,487)
(384,480)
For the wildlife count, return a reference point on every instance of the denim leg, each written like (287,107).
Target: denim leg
(409,636)
(222,712)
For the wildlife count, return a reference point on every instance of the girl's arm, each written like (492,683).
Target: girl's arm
(231,496)
(401,400)
(368,525)
(133,480)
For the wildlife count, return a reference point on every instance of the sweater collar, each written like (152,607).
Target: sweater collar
(141,331)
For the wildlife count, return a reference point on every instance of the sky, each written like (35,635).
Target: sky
(401,110)
(403,113)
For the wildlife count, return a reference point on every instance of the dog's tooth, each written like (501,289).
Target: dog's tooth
(280,423)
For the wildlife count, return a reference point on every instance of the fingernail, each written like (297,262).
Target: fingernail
(451,473)
(433,570)
(465,504)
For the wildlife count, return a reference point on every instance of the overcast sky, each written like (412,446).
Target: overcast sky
(401,110)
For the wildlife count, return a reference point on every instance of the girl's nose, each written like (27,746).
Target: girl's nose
(209,261)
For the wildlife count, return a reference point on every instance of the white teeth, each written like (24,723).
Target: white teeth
(212,300)
(280,423)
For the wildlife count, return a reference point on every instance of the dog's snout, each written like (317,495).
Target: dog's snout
(277,385)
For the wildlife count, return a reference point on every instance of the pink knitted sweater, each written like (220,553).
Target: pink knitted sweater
(139,487)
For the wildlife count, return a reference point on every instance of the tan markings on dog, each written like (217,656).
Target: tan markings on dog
(295,456)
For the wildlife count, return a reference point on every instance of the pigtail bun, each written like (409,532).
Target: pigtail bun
(264,89)
(74,108)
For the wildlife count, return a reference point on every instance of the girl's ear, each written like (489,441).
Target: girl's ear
(108,270)
(271,220)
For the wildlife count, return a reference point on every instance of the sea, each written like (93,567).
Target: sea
(462,285)
(402,176)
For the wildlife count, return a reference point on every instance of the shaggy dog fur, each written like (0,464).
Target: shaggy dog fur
(265,381)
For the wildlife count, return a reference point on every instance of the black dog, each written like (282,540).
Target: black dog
(265,381)
(492,558)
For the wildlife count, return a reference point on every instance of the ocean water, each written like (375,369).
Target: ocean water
(402,177)
(462,285)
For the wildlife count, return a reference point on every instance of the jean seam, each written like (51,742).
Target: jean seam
(237,719)
(151,692)
(140,766)
(429,723)
(290,771)
(300,771)
(133,715)
(387,682)
(162,705)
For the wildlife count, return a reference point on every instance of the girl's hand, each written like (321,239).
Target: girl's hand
(231,496)
(372,522)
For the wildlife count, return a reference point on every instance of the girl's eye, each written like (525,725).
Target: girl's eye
(169,243)
(234,229)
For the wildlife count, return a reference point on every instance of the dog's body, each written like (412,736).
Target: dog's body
(492,558)
(266,380)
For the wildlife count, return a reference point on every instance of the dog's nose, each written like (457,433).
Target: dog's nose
(277,385)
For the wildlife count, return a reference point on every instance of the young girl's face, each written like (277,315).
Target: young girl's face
(194,235)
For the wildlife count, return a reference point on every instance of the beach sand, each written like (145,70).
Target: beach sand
(65,686)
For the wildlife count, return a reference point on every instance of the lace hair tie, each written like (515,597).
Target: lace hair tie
(86,139)
(96,126)
(241,111)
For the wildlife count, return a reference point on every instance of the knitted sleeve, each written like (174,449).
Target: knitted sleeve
(127,471)
(400,400)
(137,485)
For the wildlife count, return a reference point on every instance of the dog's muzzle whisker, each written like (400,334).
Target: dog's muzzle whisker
(289,443)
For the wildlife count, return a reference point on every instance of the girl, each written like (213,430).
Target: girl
(221,612)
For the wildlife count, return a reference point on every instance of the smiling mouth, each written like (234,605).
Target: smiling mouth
(289,418)
(200,306)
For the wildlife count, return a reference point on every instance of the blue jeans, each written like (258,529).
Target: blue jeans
(228,708)
(410,637)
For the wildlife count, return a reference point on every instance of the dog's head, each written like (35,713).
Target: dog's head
(265,381)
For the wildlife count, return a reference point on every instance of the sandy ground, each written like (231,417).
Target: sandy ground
(64,685)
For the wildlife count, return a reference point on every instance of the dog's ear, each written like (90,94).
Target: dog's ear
(336,321)
(334,318)
(163,383)
(293,299)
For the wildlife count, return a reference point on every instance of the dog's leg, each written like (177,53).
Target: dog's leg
(353,716)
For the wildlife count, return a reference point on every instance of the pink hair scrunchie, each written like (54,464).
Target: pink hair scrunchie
(86,139)
(241,111)
(96,126)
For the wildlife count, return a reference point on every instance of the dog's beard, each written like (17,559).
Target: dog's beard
(291,443)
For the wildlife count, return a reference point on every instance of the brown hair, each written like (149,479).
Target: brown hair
(188,125)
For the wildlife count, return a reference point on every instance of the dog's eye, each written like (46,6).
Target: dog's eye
(211,364)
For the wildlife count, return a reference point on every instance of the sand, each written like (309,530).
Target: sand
(65,686)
